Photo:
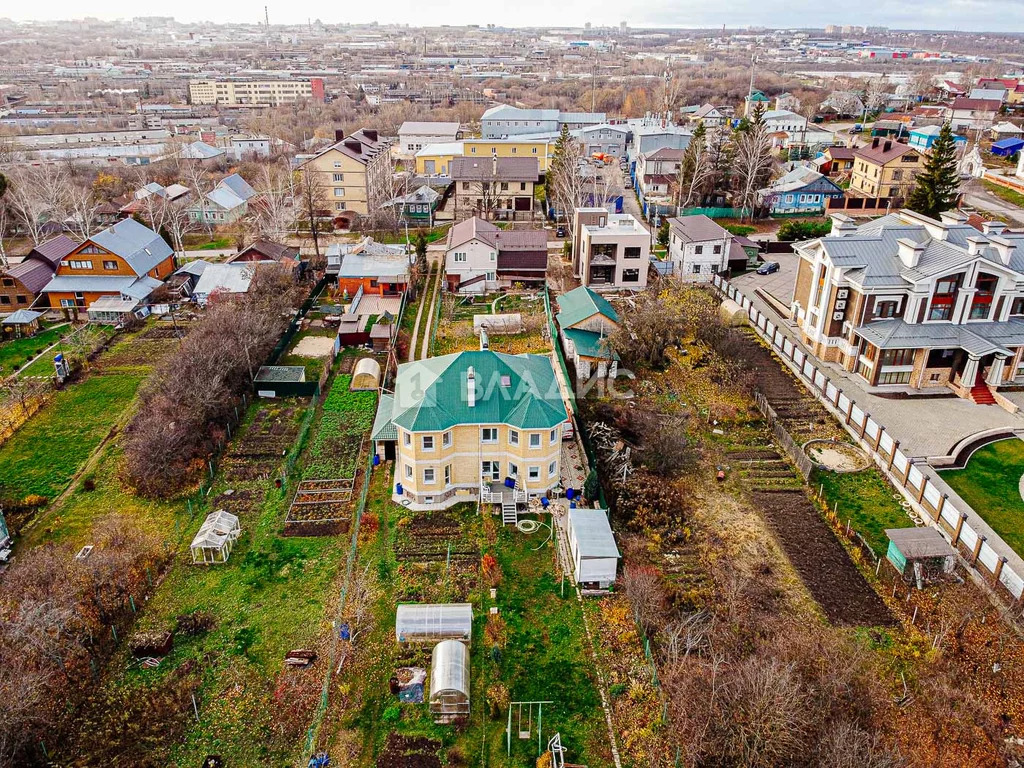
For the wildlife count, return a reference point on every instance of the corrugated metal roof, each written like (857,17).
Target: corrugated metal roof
(589,343)
(136,243)
(431,394)
(383,427)
(592,532)
(581,303)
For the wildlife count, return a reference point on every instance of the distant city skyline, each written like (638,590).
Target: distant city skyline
(997,16)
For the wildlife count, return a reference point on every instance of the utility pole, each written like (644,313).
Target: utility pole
(266,24)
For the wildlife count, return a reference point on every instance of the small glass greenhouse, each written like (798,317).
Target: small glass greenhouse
(216,537)
(449,681)
(432,622)
(366,375)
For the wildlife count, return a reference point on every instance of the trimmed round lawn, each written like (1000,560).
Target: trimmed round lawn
(991,484)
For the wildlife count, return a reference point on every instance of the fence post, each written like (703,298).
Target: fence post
(939,507)
(999,568)
(977,550)
(959,527)
(849,411)
(892,455)
(864,425)
(920,493)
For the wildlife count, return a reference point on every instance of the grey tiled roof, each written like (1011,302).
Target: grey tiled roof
(974,338)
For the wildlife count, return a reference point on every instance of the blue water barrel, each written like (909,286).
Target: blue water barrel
(510,482)
(544,502)
(376,459)
(572,505)
(570,493)
(398,489)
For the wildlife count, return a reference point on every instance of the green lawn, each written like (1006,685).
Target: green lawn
(991,484)
(1004,193)
(542,653)
(14,354)
(43,456)
(865,499)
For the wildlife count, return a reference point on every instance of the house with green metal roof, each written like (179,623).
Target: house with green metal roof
(472,425)
(586,320)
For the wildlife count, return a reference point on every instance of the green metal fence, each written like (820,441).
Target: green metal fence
(321,711)
(716,213)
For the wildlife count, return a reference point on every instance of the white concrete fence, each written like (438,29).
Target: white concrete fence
(924,496)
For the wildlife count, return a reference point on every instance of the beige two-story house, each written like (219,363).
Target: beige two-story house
(470,425)
(885,169)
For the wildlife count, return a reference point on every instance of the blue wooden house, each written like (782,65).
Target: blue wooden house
(801,191)
(922,138)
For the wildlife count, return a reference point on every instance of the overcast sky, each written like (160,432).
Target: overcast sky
(977,15)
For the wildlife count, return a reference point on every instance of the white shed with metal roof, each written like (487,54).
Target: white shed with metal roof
(595,555)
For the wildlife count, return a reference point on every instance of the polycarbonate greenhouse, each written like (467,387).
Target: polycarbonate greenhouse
(433,622)
(449,681)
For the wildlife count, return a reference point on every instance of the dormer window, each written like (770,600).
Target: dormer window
(944,297)
(981,306)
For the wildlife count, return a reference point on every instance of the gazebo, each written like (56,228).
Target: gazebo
(23,322)
(218,534)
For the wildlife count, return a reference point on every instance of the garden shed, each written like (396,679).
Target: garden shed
(366,375)
(920,554)
(432,622)
(218,534)
(449,681)
(1007,147)
(595,556)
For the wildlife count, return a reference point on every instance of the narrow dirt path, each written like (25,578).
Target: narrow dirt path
(419,315)
(430,317)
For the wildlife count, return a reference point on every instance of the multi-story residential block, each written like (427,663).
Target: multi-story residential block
(494,187)
(885,169)
(124,263)
(458,425)
(414,136)
(241,93)
(699,248)
(20,283)
(354,174)
(914,303)
(610,250)
(505,120)
(479,257)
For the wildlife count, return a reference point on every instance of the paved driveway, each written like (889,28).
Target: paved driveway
(925,426)
(779,284)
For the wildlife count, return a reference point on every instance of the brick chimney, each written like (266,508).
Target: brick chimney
(993,227)
(471,387)
(909,251)
(355,145)
(874,143)
(371,134)
(338,135)
(494,166)
(887,146)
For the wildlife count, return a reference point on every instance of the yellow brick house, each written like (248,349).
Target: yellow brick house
(471,426)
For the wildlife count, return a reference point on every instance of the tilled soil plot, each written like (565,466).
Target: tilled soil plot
(409,752)
(820,560)
(818,557)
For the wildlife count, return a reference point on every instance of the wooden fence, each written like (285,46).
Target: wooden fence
(796,452)
(925,497)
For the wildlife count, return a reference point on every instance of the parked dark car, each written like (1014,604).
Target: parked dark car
(768,267)
(560,231)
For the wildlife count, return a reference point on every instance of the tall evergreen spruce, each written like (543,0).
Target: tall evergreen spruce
(938,185)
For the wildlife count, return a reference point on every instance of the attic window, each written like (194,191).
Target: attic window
(506,381)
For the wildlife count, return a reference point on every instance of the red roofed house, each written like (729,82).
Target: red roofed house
(970,114)
(21,283)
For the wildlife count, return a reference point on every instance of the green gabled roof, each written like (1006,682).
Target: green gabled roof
(383,427)
(589,343)
(579,304)
(431,395)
